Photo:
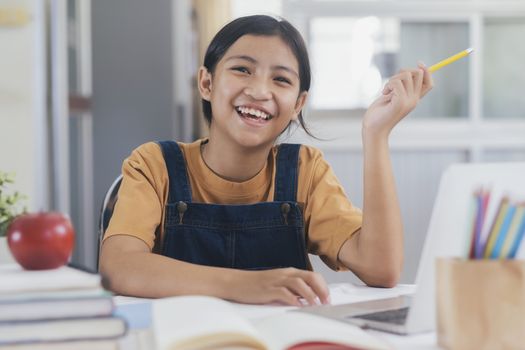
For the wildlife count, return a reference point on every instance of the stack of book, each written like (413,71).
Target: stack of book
(64,308)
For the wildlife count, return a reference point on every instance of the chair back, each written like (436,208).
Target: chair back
(107,210)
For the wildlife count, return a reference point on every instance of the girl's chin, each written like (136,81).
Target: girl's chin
(254,141)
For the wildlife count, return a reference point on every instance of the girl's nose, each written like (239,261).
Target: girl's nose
(258,90)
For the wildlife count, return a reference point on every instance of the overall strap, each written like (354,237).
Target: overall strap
(286,176)
(178,178)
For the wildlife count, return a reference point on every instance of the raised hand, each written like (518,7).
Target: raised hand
(398,98)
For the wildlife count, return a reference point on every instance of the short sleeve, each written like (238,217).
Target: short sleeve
(142,194)
(330,217)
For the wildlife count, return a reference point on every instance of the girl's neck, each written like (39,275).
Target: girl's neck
(232,162)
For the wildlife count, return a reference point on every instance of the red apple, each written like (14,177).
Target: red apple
(41,241)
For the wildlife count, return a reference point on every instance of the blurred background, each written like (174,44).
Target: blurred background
(82,83)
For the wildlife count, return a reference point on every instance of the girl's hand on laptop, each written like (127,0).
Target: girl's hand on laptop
(285,285)
(398,98)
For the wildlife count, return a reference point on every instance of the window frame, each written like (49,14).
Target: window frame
(473,133)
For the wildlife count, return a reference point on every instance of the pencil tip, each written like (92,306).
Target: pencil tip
(470,49)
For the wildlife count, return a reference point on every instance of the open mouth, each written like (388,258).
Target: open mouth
(252,113)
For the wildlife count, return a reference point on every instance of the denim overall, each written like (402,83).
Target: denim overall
(259,236)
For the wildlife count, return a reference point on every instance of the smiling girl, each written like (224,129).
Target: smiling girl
(235,215)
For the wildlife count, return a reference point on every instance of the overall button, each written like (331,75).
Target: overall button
(181,208)
(285,209)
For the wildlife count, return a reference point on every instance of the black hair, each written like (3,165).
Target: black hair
(265,26)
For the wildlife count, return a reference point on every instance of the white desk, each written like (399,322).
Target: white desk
(340,294)
(142,339)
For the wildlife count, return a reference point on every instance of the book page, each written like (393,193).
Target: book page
(292,328)
(200,322)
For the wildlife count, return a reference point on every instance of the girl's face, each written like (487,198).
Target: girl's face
(254,91)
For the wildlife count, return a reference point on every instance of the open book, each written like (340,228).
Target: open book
(199,323)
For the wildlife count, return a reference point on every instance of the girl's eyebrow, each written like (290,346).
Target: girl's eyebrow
(254,61)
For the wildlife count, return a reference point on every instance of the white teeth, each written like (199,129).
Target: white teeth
(255,112)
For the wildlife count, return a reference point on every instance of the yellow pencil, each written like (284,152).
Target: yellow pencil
(449,60)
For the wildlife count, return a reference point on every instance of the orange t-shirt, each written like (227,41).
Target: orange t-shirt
(329,217)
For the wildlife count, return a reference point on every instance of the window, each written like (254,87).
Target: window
(355,46)
(343,51)
(503,73)
(352,58)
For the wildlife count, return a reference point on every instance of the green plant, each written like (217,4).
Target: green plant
(10,203)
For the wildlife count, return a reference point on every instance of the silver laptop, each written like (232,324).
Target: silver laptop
(447,236)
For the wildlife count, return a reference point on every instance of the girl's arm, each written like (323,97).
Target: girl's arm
(131,269)
(375,253)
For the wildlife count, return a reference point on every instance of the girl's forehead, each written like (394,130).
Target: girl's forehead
(262,47)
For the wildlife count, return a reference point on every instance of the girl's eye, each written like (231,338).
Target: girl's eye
(241,69)
(283,80)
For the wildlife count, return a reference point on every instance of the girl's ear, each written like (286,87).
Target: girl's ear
(204,83)
(299,104)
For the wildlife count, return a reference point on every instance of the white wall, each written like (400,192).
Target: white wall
(245,8)
(20,98)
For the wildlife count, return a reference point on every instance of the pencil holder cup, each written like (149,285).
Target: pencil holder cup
(480,304)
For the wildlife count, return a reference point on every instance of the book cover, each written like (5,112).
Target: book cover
(17,280)
(76,329)
(74,304)
(111,344)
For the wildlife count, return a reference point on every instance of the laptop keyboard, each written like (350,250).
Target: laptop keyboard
(395,316)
